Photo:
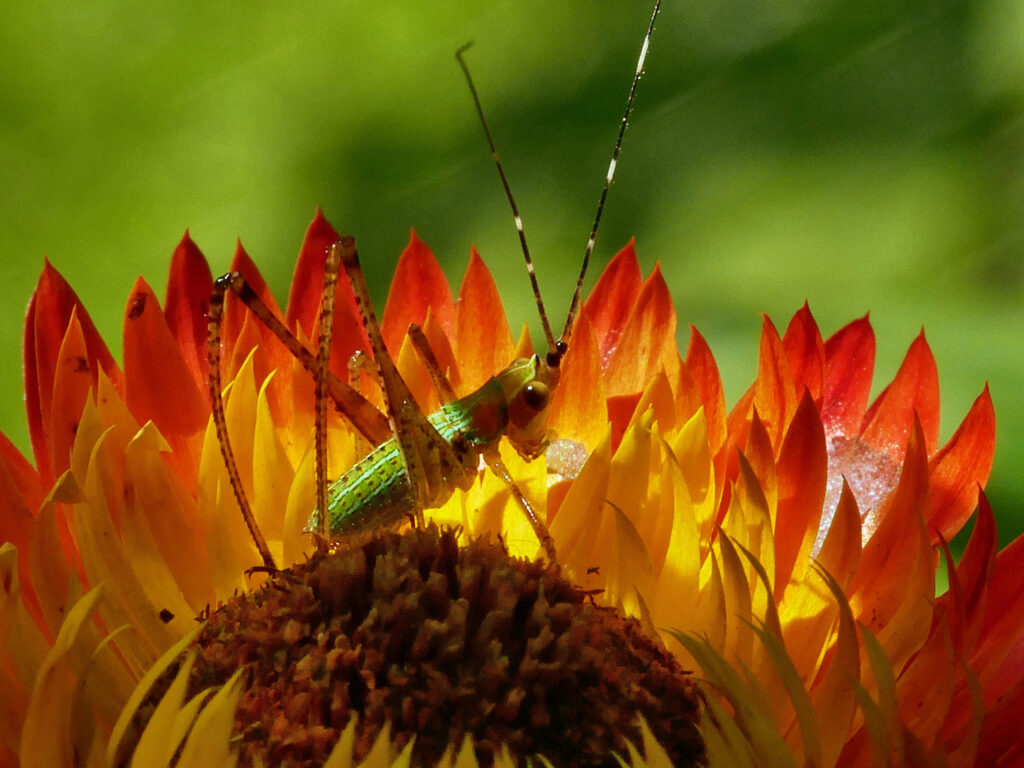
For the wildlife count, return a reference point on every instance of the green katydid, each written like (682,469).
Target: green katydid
(419,460)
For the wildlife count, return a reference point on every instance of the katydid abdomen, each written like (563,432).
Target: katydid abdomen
(376,491)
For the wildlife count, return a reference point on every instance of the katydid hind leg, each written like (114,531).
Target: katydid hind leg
(430,460)
(359,411)
(320,392)
(214,325)
(429,359)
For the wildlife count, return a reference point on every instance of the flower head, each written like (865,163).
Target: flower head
(786,548)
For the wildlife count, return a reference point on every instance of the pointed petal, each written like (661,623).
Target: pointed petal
(72,382)
(959,468)
(892,591)
(160,385)
(45,325)
(648,341)
(611,302)
(483,342)
(849,365)
(803,474)
(578,410)
(308,276)
(186,304)
(806,353)
(914,390)
(46,738)
(418,284)
(775,396)
(840,553)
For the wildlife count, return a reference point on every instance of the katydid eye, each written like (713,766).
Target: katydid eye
(535,396)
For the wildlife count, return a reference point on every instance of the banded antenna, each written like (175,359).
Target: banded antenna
(557,349)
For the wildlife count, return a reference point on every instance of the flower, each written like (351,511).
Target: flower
(787,548)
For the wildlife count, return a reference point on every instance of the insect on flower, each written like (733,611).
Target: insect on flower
(419,459)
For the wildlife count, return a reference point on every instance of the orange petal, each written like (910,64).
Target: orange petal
(972,578)
(648,341)
(701,365)
(959,468)
(832,694)
(186,305)
(914,390)
(483,342)
(418,284)
(840,553)
(236,313)
(775,395)
(308,276)
(578,409)
(849,363)
(611,302)
(49,312)
(72,382)
(160,386)
(803,473)
(806,353)
(893,588)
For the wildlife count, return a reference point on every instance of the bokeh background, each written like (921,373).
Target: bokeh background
(863,155)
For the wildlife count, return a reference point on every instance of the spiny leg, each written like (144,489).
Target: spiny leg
(429,460)
(498,467)
(359,411)
(320,397)
(429,359)
(220,421)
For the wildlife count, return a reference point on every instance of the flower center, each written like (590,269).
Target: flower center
(441,641)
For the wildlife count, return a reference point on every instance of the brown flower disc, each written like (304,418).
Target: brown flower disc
(441,641)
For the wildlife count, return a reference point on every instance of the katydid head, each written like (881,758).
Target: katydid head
(528,383)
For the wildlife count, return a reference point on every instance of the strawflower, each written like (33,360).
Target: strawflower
(785,551)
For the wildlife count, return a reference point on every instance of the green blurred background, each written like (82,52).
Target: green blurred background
(860,154)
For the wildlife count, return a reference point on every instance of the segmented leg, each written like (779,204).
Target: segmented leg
(220,420)
(432,464)
(320,396)
(359,411)
(498,467)
(358,363)
(434,370)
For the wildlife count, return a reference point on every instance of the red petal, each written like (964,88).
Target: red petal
(235,312)
(187,303)
(896,575)
(648,341)
(72,380)
(803,474)
(968,584)
(849,363)
(1005,598)
(914,390)
(160,386)
(48,314)
(308,277)
(611,302)
(578,409)
(806,353)
(960,467)
(418,284)
(483,343)
(20,495)
(702,367)
(242,331)
(774,393)
(348,334)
